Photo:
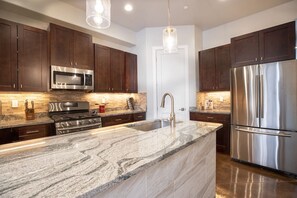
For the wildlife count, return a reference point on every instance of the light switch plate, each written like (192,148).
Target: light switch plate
(14,103)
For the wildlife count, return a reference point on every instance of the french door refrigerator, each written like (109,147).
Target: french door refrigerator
(264,115)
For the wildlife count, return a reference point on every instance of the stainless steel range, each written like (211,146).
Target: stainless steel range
(73,116)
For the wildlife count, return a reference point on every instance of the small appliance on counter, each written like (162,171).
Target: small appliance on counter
(130,103)
(30,115)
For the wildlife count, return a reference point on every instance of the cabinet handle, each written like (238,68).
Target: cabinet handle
(127,90)
(210,117)
(139,116)
(118,119)
(71,63)
(111,89)
(76,63)
(21,86)
(261,58)
(14,85)
(30,132)
(256,59)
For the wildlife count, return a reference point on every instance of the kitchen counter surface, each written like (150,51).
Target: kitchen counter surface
(86,163)
(20,123)
(216,111)
(121,112)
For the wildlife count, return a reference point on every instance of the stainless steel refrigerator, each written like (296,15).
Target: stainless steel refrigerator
(264,115)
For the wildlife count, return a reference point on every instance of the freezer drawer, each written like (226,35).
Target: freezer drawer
(269,148)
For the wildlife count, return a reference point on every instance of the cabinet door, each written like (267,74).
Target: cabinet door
(131,73)
(245,50)
(33,59)
(115,120)
(223,65)
(277,43)
(7,136)
(117,64)
(223,134)
(102,69)
(61,46)
(207,70)
(8,56)
(83,51)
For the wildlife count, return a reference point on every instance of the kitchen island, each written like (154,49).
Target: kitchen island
(115,161)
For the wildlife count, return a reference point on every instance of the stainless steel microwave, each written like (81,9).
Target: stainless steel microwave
(71,78)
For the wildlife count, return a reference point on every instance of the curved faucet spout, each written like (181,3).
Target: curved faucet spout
(172,114)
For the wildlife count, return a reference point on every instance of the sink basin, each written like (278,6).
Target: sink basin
(149,126)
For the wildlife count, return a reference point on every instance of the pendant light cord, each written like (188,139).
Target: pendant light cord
(169,16)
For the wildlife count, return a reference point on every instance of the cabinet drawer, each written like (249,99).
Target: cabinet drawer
(210,117)
(32,132)
(114,120)
(139,116)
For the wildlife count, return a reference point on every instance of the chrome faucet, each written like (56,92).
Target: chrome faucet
(172,114)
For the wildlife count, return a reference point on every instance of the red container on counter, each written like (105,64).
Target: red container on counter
(102,108)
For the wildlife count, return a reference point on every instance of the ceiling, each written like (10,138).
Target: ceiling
(202,13)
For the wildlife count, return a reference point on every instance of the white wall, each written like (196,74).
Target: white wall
(67,15)
(275,16)
(42,23)
(152,37)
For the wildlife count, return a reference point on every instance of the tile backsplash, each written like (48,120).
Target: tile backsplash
(221,99)
(116,101)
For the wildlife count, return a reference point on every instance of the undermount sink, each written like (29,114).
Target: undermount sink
(149,126)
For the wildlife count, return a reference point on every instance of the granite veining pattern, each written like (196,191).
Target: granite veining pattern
(22,122)
(90,162)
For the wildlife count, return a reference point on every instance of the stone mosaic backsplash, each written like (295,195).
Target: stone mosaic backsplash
(115,101)
(221,99)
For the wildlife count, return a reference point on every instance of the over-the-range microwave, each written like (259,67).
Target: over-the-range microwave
(71,78)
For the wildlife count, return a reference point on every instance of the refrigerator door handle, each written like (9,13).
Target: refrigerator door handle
(261,97)
(281,134)
(256,95)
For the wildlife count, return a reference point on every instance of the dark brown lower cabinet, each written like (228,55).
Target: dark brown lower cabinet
(223,134)
(122,119)
(11,135)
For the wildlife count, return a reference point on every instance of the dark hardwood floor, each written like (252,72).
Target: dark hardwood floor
(235,179)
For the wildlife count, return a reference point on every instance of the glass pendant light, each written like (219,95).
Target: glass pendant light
(169,36)
(98,13)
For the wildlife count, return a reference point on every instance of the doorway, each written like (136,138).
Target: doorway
(172,76)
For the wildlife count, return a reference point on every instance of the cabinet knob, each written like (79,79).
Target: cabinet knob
(111,89)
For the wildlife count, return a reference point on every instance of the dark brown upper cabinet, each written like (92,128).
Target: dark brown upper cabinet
(109,69)
(70,48)
(33,59)
(102,69)
(131,73)
(23,58)
(8,56)
(214,65)
(117,67)
(268,45)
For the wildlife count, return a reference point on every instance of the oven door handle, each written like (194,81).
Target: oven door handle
(79,127)
(264,133)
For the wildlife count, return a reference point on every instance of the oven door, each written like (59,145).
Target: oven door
(71,78)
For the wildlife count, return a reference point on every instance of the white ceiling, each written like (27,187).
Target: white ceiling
(203,13)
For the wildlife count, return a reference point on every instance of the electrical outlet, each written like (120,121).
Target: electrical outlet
(221,98)
(14,103)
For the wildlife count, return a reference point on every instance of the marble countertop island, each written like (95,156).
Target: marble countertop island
(90,162)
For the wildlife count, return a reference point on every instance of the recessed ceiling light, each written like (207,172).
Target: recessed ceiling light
(128,7)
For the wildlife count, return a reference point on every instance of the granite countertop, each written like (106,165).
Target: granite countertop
(216,111)
(20,123)
(120,112)
(86,163)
